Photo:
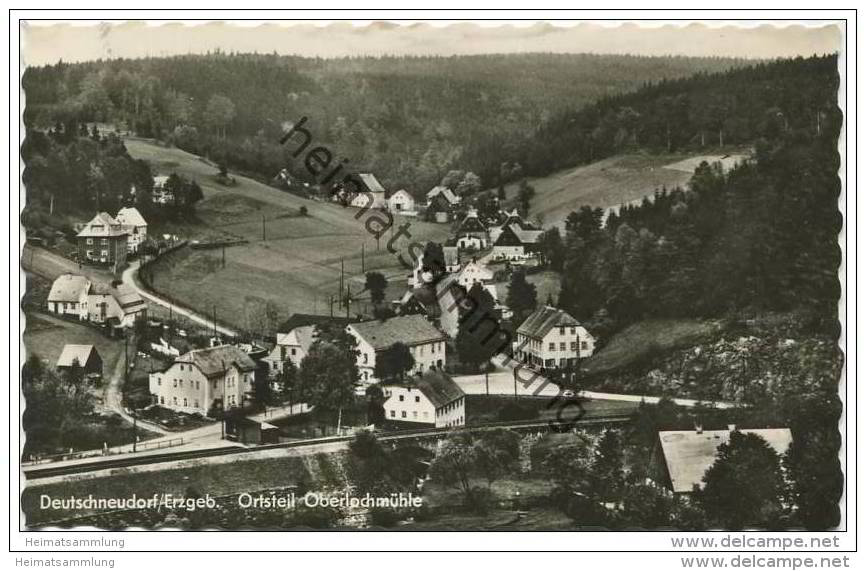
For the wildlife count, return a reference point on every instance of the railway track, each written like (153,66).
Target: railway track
(42,471)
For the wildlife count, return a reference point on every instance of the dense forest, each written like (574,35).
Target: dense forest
(410,120)
(761,237)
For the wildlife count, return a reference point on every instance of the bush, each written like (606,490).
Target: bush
(384,517)
(479,500)
(303,211)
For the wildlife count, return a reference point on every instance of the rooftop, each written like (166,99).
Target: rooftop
(371,182)
(131,217)
(80,353)
(406,329)
(543,319)
(101,226)
(690,453)
(68,287)
(439,388)
(213,361)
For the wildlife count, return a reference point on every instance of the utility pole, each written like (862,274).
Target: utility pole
(362,250)
(331,304)
(341,278)
(125,382)
(224,255)
(264,235)
(214,321)
(347,301)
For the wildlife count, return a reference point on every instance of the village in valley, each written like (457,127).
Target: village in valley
(200,326)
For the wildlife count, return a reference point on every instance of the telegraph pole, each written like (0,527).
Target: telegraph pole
(214,321)
(264,235)
(362,258)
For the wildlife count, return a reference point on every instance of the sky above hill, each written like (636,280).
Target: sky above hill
(44,43)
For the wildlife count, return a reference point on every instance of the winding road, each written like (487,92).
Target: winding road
(130,278)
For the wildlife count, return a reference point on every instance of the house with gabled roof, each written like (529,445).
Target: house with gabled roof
(135,226)
(430,398)
(371,193)
(426,343)
(291,346)
(551,338)
(515,243)
(84,356)
(401,202)
(102,241)
(682,457)
(119,306)
(472,233)
(68,296)
(203,379)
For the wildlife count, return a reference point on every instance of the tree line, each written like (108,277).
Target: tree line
(410,120)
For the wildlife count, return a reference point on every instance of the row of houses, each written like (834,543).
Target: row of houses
(107,240)
(513,238)
(77,297)
(440,200)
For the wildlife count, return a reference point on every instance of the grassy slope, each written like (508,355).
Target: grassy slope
(297,267)
(649,337)
(606,183)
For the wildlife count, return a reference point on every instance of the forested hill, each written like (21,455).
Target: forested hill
(410,120)
(737,107)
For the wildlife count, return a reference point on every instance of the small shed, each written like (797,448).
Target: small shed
(86,356)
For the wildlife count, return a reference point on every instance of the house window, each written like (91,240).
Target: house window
(584,345)
(104,253)
(89,253)
(393,414)
(562,346)
(181,383)
(401,398)
(90,240)
(574,346)
(185,402)
(294,351)
(161,400)
(552,347)
(414,414)
(174,400)
(158,382)
(196,403)
(175,383)
(403,414)
(417,399)
(571,330)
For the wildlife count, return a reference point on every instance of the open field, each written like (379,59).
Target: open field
(46,336)
(297,264)
(611,182)
(649,337)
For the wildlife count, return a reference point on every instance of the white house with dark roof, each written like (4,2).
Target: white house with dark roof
(682,457)
(68,296)
(202,379)
(513,242)
(432,398)
(474,273)
(426,343)
(291,346)
(551,338)
(472,233)
(135,226)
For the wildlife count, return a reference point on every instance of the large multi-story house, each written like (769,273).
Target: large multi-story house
(135,226)
(205,379)
(68,296)
(432,398)
(425,342)
(103,241)
(551,338)
(291,346)
(513,242)
(160,194)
